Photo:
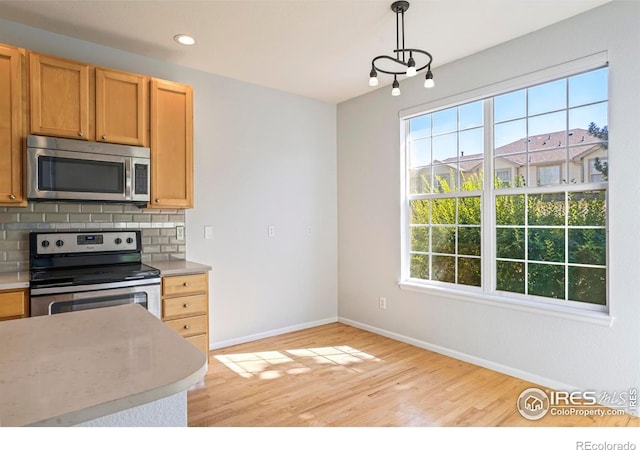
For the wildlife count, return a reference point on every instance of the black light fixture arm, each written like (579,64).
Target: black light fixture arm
(397,60)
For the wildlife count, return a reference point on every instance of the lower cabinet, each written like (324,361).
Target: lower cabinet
(185,307)
(14,304)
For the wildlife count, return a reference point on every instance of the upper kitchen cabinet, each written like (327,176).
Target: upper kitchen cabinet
(59,97)
(122,104)
(76,100)
(12,116)
(171,145)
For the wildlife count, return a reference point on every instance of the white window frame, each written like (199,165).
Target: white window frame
(488,294)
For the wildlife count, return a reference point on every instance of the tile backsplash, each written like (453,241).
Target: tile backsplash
(158,228)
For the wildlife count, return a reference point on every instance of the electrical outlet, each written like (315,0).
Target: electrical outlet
(383,302)
(309,230)
(180,233)
(208,232)
(271,231)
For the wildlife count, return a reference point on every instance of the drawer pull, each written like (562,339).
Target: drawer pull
(12,197)
(80,133)
(186,327)
(186,305)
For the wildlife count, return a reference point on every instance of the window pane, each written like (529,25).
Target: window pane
(583,117)
(471,143)
(420,126)
(546,244)
(546,209)
(548,97)
(469,211)
(510,276)
(419,211)
(420,153)
(542,129)
(471,173)
(444,240)
(420,239)
(444,268)
(510,137)
(443,211)
(470,115)
(469,271)
(588,87)
(469,241)
(510,106)
(587,209)
(548,174)
(445,121)
(420,266)
(444,178)
(588,246)
(546,280)
(445,148)
(420,181)
(588,285)
(510,243)
(510,210)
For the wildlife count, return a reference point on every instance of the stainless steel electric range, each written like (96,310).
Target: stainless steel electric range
(72,271)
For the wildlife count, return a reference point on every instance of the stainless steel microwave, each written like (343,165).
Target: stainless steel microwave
(74,170)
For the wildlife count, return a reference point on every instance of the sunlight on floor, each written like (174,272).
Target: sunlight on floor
(274,364)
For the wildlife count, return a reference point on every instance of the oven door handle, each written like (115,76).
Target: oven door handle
(35,291)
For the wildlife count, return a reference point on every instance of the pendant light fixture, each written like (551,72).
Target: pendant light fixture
(403,63)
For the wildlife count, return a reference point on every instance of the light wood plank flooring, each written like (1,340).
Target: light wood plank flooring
(340,376)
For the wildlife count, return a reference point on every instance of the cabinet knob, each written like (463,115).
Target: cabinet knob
(186,327)
(80,133)
(12,197)
(185,284)
(186,305)
(157,200)
(104,137)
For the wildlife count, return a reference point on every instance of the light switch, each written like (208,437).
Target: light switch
(208,232)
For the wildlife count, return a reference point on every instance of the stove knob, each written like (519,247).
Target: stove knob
(59,243)
(118,241)
(129,240)
(45,243)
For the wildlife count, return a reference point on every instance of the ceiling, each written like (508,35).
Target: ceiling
(318,49)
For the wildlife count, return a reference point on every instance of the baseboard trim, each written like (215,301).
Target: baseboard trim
(507,370)
(270,333)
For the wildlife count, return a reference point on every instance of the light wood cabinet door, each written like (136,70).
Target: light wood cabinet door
(171,145)
(59,97)
(14,304)
(11,127)
(122,104)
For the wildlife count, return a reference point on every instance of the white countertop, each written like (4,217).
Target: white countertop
(179,267)
(66,369)
(14,280)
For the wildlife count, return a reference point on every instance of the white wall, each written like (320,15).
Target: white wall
(558,352)
(262,157)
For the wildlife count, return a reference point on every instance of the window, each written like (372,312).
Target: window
(547,242)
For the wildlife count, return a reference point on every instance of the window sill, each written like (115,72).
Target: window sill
(593,317)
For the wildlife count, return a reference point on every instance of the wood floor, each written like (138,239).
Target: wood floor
(340,376)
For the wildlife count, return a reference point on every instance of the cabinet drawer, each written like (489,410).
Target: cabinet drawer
(185,284)
(189,326)
(202,342)
(13,304)
(191,305)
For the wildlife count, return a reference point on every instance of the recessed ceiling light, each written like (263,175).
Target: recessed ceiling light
(184,39)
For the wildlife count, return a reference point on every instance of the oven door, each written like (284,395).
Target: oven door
(77,298)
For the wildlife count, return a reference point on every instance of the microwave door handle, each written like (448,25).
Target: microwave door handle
(127,178)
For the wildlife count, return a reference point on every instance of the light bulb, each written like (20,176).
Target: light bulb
(184,39)
(411,67)
(428,81)
(396,88)
(373,77)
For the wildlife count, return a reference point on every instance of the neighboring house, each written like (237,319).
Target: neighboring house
(543,160)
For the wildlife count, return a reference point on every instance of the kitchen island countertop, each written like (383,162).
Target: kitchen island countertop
(67,369)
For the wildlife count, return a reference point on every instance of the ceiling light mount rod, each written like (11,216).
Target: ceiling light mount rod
(400,63)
